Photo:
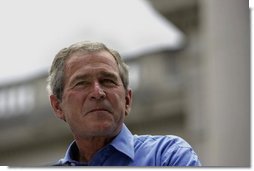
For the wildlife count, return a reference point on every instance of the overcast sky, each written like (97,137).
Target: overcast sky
(32,31)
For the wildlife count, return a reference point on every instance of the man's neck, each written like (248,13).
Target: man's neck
(88,147)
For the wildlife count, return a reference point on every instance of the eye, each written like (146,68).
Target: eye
(81,83)
(108,82)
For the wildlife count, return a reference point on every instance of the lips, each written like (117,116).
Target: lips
(98,110)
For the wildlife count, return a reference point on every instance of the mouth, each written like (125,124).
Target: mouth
(98,110)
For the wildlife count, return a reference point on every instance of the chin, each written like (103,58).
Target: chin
(106,129)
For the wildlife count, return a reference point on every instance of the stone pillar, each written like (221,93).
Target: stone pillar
(226,53)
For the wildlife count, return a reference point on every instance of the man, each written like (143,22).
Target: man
(88,87)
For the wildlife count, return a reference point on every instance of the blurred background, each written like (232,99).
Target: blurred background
(189,70)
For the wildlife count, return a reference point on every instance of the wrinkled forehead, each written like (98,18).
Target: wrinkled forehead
(90,59)
(100,55)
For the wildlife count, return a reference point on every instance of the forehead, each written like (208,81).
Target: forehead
(91,60)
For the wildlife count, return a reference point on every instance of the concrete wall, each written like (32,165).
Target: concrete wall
(201,92)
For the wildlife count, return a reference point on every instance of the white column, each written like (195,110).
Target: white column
(226,53)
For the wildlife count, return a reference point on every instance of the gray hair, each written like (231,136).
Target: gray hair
(55,80)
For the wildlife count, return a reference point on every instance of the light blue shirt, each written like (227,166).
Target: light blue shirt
(134,150)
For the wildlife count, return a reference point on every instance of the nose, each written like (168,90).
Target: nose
(97,92)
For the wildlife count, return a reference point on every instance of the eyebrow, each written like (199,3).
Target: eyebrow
(101,74)
(108,75)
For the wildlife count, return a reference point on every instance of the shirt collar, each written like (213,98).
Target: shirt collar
(123,142)
(70,153)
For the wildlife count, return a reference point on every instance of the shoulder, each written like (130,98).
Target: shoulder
(172,150)
(163,140)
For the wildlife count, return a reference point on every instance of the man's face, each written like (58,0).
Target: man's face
(94,101)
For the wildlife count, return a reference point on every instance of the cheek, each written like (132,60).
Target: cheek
(118,101)
(72,102)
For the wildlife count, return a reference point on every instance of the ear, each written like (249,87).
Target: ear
(56,105)
(128,101)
